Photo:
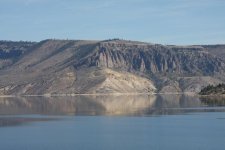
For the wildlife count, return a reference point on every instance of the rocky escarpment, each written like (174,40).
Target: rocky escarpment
(113,66)
(154,59)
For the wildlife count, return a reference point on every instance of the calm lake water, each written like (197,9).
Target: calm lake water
(112,123)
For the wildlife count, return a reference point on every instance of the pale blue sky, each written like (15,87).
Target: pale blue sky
(157,21)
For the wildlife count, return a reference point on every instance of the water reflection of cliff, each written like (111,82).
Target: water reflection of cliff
(100,105)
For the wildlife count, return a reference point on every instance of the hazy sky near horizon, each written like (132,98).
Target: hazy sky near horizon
(158,21)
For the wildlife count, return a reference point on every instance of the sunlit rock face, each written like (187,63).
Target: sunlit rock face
(112,66)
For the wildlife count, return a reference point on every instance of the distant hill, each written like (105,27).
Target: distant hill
(110,66)
(10,51)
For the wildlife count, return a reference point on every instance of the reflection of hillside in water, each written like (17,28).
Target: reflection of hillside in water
(101,105)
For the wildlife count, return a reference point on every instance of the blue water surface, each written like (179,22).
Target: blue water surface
(192,131)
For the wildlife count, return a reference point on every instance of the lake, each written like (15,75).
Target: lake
(142,122)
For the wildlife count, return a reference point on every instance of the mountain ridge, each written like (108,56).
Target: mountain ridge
(79,66)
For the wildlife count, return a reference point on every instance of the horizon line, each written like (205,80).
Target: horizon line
(102,40)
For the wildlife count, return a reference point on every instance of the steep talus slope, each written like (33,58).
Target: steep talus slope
(49,66)
(113,66)
(110,81)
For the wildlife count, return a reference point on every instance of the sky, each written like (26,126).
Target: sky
(181,22)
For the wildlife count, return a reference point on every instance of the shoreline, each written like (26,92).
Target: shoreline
(99,94)
(112,94)
(212,95)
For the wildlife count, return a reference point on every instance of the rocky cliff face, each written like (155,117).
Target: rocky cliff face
(154,59)
(113,66)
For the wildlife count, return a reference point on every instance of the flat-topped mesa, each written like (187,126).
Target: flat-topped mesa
(111,66)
